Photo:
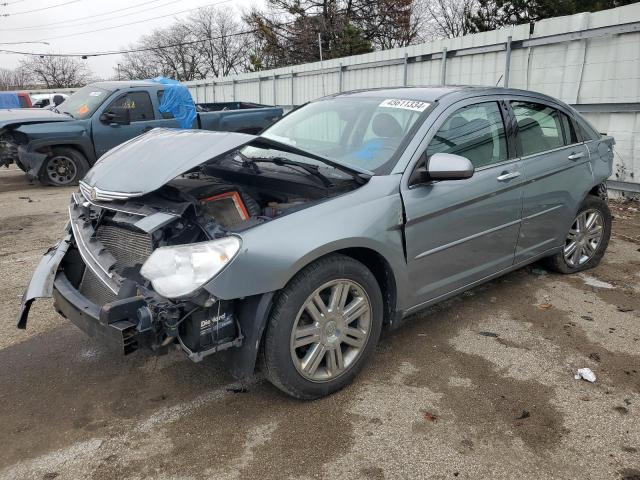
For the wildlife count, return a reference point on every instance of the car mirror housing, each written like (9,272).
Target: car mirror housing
(447,166)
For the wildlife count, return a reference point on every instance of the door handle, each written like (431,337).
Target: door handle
(576,156)
(508,176)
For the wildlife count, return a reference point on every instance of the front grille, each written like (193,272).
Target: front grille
(128,247)
(94,289)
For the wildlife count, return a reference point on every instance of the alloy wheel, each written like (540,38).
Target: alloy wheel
(583,238)
(331,330)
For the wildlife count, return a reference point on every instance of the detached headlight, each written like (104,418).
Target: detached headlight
(178,271)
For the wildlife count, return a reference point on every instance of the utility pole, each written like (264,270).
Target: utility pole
(321,66)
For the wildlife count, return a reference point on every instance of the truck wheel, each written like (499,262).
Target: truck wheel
(323,328)
(64,166)
(587,238)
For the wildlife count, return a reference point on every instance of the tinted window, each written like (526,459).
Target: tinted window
(542,128)
(475,132)
(139,103)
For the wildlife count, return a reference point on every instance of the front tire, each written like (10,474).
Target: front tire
(323,328)
(587,239)
(63,167)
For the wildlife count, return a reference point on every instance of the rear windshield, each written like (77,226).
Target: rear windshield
(361,132)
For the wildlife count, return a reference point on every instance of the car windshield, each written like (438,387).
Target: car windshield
(84,102)
(359,132)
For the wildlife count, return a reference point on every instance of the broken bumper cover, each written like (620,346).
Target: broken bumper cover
(41,284)
(31,162)
(110,324)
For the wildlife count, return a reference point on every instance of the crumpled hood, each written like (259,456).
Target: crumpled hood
(147,162)
(30,115)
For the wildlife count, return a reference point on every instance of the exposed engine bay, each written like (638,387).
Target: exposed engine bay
(110,241)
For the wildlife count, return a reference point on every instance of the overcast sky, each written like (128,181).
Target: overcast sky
(93,32)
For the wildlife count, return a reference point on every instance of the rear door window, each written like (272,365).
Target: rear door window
(542,128)
(475,132)
(139,103)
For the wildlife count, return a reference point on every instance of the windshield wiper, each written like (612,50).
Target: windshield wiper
(281,161)
(68,113)
(360,175)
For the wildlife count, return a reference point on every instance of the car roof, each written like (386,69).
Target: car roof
(435,93)
(117,85)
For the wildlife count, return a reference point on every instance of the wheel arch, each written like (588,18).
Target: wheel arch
(255,311)
(47,146)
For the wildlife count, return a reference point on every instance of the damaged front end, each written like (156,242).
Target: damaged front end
(132,265)
(94,277)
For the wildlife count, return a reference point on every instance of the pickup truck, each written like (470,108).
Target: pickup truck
(59,146)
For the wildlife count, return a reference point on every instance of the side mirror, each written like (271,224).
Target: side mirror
(58,99)
(443,166)
(117,116)
(447,166)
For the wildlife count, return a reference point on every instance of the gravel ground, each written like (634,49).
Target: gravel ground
(478,387)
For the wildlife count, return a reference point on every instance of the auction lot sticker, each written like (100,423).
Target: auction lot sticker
(414,105)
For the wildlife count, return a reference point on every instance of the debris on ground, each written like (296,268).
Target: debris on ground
(545,306)
(625,309)
(431,417)
(588,318)
(489,334)
(594,356)
(539,271)
(594,282)
(523,415)
(28,199)
(585,374)
(237,390)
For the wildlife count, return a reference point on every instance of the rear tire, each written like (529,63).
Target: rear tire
(65,166)
(323,328)
(587,239)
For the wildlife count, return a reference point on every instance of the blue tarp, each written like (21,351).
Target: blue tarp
(177,100)
(9,100)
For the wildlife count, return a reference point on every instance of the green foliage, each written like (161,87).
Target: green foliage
(287,31)
(492,14)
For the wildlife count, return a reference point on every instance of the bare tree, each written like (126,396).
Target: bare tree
(56,72)
(447,18)
(15,79)
(224,51)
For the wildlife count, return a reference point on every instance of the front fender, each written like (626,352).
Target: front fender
(271,254)
(72,133)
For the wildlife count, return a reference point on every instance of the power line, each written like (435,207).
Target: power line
(65,23)
(137,50)
(40,9)
(133,23)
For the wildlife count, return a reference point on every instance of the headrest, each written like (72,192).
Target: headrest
(385,126)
